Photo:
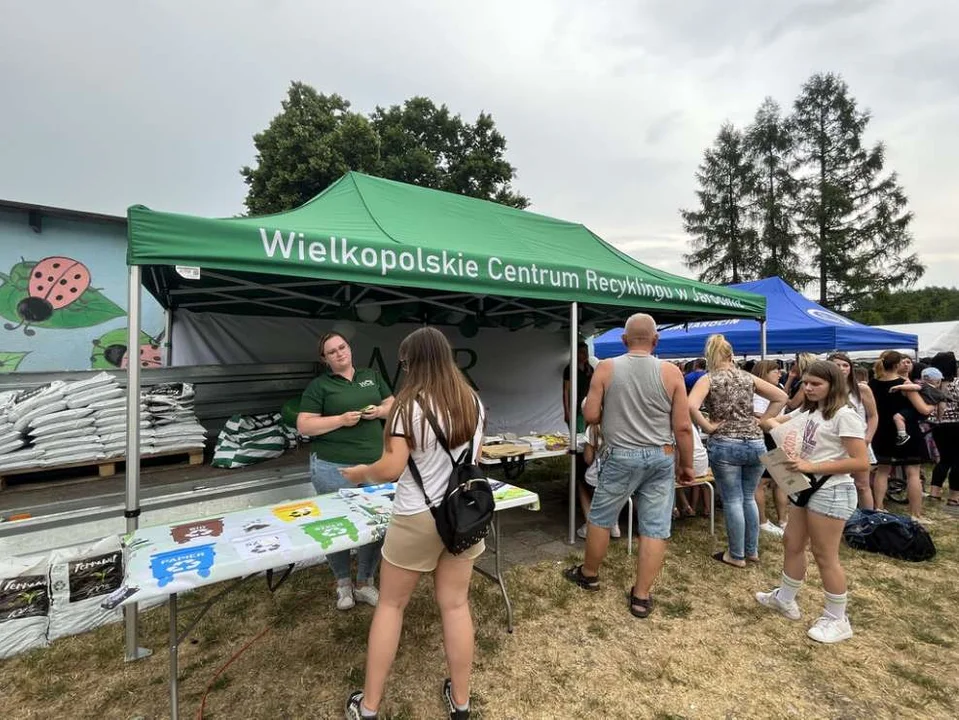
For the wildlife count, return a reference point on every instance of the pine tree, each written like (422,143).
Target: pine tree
(724,241)
(770,145)
(853,219)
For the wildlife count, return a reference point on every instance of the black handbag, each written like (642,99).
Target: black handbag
(464,513)
(801,499)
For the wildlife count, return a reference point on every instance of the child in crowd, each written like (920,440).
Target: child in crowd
(929,390)
(592,453)
(684,505)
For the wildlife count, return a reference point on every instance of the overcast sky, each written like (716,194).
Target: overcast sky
(606,106)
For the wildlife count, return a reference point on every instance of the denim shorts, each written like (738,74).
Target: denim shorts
(326,477)
(645,474)
(838,501)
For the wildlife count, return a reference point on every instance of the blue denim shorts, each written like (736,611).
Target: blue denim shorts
(326,477)
(838,501)
(645,474)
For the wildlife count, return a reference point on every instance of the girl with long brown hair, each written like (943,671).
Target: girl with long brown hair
(432,384)
(825,441)
(864,403)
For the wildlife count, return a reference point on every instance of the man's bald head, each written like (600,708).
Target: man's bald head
(640,332)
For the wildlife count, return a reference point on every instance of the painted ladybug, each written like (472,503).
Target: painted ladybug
(150,356)
(115,353)
(54,283)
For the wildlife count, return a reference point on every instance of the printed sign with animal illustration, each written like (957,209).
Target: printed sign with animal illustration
(256,546)
(297,511)
(110,351)
(54,293)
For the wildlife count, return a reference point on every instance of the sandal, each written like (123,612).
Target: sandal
(721,557)
(575,576)
(952,503)
(638,607)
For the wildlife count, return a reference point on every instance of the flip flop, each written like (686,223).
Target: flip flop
(720,556)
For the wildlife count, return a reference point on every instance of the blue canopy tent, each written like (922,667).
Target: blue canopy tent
(794,324)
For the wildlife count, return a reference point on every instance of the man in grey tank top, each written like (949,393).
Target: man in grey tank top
(641,403)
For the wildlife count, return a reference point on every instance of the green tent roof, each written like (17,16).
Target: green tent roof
(379,233)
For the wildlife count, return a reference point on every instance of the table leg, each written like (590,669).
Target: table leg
(174,645)
(497,575)
(712,508)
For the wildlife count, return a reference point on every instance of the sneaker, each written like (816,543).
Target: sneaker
(581,532)
(903,438)
(366,594)
(448,696)
(828,629)
(344,597)
(353,707)
(616,532)
(772,601)
(772,528)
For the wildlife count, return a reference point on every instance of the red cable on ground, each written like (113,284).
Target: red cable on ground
(229,662)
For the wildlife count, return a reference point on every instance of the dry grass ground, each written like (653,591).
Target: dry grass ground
(708,651)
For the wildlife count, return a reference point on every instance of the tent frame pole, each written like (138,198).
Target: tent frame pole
(574,411)
(762,339)
(132,650)
(168,337)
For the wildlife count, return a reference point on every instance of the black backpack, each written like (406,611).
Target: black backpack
(893,535)
(464,513)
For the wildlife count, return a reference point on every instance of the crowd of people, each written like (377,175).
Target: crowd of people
(844,427)
(654,431)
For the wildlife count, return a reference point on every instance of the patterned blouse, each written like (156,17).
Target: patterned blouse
(730,404)
(950,413)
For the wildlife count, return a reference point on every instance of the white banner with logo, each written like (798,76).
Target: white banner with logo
(519,375)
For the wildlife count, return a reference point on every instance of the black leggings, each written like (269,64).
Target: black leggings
(947,442)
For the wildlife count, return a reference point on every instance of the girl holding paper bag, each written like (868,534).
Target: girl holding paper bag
(824,439)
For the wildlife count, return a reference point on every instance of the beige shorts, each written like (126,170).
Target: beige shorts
(412,543)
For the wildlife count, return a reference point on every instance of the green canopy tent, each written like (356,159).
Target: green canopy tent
(398,252)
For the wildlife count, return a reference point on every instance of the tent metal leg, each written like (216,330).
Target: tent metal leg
(574,411)
(762,339)
(132,650)
(174,669)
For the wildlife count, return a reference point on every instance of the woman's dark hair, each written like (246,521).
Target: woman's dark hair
(433,379)
(324,340)
(945,362)
(888,362)
(851,383)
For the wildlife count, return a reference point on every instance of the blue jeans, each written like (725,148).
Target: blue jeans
(326,478)
(736,467)
(645,474)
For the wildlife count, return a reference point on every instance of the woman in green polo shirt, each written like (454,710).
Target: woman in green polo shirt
(341,411)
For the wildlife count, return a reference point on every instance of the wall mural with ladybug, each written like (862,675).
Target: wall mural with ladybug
(63,296)
(54,293)
(110,351)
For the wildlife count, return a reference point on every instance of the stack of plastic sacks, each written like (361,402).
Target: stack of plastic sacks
(30,409)
(174,426)
(110,418)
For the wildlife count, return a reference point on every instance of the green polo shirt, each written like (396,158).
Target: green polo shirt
(331,394)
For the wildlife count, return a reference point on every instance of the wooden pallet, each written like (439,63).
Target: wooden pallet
(105,468)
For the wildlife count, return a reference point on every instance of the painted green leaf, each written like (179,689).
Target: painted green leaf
(10,361)
(98,360)
(91,308)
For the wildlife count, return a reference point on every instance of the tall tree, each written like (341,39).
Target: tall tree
(852,217)
(770,145)
(316,138)
(928,304)
(724,241)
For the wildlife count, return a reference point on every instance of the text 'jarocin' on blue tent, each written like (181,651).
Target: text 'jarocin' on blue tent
(794,324)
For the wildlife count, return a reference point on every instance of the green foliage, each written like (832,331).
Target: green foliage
(808,183)
(317,138)
(724,241)
(853,219)
(929,304)
(10,361)
(91,308)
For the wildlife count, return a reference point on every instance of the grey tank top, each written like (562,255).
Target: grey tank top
(637,412)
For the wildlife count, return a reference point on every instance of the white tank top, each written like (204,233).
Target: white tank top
(858,406)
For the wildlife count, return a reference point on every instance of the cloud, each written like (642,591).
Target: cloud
(606,106)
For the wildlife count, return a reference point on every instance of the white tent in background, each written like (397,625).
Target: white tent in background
(933,337)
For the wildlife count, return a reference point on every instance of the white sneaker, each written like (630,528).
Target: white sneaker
(367,594)
(772,601)
(581,532)
(828,629)
(616,532)
(344,597)
(772,528)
